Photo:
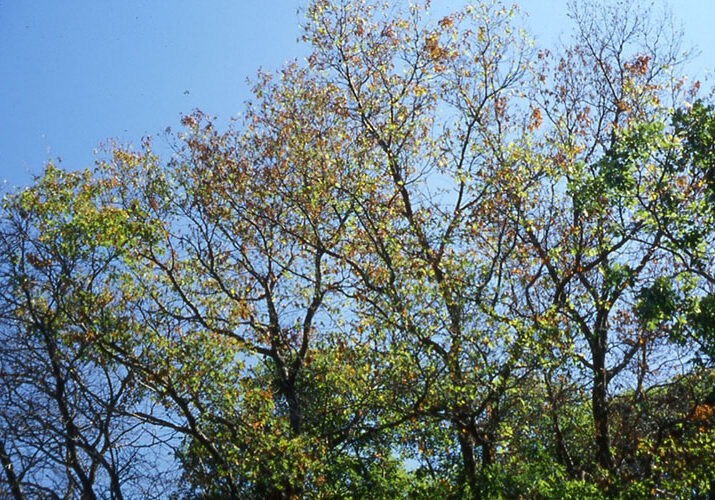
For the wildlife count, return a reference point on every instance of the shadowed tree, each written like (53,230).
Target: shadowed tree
(66,433)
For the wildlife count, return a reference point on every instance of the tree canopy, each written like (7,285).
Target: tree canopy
(432,261)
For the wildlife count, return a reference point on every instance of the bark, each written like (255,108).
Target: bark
(599,401)
(294,411)
(72,436)
(12,480)
(470,464)
(287,490)
(562,453)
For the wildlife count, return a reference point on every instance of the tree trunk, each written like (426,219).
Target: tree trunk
(287,490)
(72,434)
(599,401)
(12,480)
(469,463)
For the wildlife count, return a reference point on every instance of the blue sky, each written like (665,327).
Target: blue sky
(74,74)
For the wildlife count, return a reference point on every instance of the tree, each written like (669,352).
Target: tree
(427,102)
(235,284)
(432,262)
(66,433)
(595,178)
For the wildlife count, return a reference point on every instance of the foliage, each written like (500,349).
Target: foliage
(65,402)
(434,261)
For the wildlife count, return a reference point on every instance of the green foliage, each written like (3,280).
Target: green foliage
(657,303)
(538,479)
(702,320)
(696,127)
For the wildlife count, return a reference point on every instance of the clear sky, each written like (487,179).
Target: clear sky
(76,73)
